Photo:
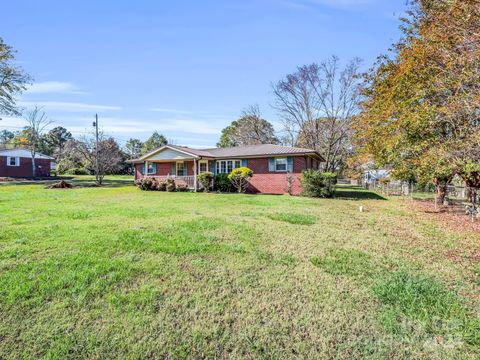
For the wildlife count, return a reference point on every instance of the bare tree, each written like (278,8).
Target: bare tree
(110,156)
(37,122)
(316,105)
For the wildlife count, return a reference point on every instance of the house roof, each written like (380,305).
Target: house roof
(261,150)
(23,153)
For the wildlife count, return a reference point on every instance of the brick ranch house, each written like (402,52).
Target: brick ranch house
(271,165)
(18,163)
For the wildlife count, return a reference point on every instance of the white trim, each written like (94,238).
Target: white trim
(234,161)
(184,166)
(200,162)
(154,152)
(286,164)
(17,161)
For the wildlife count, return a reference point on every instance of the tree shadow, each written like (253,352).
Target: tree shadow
(356,193)
(77,182)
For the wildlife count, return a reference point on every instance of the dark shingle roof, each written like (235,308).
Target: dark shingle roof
(259,150)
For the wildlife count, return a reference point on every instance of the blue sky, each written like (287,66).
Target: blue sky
(184,68)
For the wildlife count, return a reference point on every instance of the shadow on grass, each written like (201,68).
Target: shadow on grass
(75,181)
(356,193)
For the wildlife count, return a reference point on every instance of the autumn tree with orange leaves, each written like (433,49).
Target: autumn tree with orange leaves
(421,110)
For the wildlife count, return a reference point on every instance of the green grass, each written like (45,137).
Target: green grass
(114,272)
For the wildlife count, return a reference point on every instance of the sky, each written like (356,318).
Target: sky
(185,68)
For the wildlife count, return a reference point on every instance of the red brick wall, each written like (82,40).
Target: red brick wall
(264,181)
(25,168)
(163,169)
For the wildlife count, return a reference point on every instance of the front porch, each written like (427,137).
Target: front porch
(184,172)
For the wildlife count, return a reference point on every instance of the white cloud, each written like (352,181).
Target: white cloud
(70,106)
(58,87)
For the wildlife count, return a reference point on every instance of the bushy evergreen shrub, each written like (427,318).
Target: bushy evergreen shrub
(205,180)
(318,184)
(223,184)
(171,186)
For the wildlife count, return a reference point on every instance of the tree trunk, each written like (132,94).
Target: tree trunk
(33,166)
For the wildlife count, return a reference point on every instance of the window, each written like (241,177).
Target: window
(152,169)
(202,166)
(280,164)
(226,166)
(13,161)
(180,168)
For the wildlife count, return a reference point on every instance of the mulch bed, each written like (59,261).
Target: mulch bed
(60,185)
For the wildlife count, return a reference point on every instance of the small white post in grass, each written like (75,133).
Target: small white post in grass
(361,208)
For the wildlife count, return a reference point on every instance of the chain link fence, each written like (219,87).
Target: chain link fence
(459,198)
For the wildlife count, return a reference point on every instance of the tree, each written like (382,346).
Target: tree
(250,129)
(227,136)
(421,105)
(72,158)
(6,136)
(240,178)
(37,122)
(317,104)
(133,148)
(110,157)
(13,80)
(153,142)
(56,140)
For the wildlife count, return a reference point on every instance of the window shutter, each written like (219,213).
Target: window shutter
(174,169)
(271,164)
(244,162)
(142,169)
(185,171)
(154,166)
(290,164)
(212,167)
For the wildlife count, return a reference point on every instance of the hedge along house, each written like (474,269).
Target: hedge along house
(272,165)
(17,163)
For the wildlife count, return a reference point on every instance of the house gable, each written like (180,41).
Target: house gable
(168,154)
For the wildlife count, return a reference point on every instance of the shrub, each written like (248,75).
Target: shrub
(240,178)
(162,186)
(205,180)
(147,184)
(182,188)
(77,171)
(223,184)
(318,184)
(170,186)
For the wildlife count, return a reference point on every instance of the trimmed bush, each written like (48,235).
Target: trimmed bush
(318,184)
(147,184)
(162,186)
(170,186)
(223,184)
(205,180)
(240,178)
(182,188)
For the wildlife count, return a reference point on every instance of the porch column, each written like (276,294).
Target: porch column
(195,175)
(145,171)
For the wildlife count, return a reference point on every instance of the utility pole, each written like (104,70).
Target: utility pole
(95,125)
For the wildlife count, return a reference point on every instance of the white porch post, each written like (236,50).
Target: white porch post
(195,175)
(145,171)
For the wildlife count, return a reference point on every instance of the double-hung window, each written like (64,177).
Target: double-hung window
(226,166)
(152,169)
(180,168)
(13,161)
(280,164)
(202,166)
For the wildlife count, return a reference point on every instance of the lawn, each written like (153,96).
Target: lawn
(115,272)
